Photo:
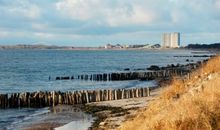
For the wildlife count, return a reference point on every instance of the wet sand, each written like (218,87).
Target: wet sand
(62,117)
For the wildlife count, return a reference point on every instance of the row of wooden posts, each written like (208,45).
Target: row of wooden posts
(45,99)
(166,72)
(127,75)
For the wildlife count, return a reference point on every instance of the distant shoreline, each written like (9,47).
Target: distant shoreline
(53,47)
(77,48)
(214,46)
(113,49)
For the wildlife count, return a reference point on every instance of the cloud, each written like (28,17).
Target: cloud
(117,14)
(43,35)
(39,26)
(23,8)
(217,4)
(3,34)
(139,15)
(103,21)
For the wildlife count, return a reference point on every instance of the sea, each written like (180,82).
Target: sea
(36,70)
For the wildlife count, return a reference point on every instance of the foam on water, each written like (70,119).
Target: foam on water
(11,119)
(76,125)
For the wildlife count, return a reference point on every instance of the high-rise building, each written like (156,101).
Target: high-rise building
(171,40)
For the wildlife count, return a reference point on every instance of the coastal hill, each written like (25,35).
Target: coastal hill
(188,104)
(37,46)
(204,46)
(54,47)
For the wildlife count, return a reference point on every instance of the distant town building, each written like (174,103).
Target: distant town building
(126,46)
(118,46)
(108,46)
(171,40)
(136,46)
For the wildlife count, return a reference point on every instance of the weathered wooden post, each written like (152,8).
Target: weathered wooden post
(94,95)
(126,94)
(148,91)
(97,94)
(109,94)
(1,101)
(188,76)
(91,77)
(130,93)
(122,94)
(136,92)
(70,98)
(87,96)
(101,95)
(53,98)
(142,90)
(105,95)
(6,100)
(116,94)
(105,77)
(45,98)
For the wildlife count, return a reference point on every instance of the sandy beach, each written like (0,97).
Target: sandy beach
(96,115)
(111,114)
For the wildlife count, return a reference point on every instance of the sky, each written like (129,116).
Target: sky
(98,22)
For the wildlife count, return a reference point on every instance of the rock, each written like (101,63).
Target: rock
(187,60)
(126,69)
(138,69)
(153,67)
(201,56)
(65,78)
(163,68)
(178,65)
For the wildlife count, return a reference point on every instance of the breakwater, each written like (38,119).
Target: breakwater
(153,72)
(127,76)
(53,98)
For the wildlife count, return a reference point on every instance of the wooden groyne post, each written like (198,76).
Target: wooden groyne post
(53,98)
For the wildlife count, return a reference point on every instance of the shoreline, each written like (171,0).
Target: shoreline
(96,49)
(104,115)
(191,103)
(110,114)
(61,117)
(109,49)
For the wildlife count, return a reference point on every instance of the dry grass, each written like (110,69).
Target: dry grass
(192,104)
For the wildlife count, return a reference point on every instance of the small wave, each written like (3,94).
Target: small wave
(29,115)
(41,111)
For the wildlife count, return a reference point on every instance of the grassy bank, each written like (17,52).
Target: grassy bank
(192,103)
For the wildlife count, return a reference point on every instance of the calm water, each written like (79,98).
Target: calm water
(29,70)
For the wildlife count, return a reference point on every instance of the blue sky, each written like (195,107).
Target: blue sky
(97,22)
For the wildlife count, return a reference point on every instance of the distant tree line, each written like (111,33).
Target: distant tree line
(204,46)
